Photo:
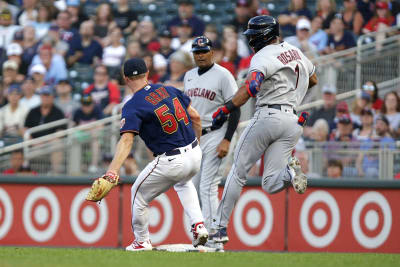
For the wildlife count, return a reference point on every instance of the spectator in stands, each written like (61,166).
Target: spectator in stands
(362,101)
(105,93)
(53,38)
(12,117)
(114,54)
(133,49)
(367,162)
(29,99)
(14,53)
(242,15)
(242,47)
(230,59)
(302,156)
(29,45)
(180,63)
(16,162)
(289,17)
(43,21)
(28,14)
(56,68)
(45,113)
(372,89)
(326,112)
(381,20)
(7,29)
(3,98)
(302,38)
(211,32)
(320,131)
(77,14)
(341,109)
(339,38)
(153,75)
(391,110)
(104,23)
(70,36)
(37,72)
(334,169)
(130,168)
(87,113)
(90,7)
(10,73)
(183,41)
(366,8)
(64,99)
(125,17)
(145,33)
(318,36)
(344,131)
(366,130)
(185,13)
(11,7)
(352,18)
(165,38)
(92,49)
(326,9)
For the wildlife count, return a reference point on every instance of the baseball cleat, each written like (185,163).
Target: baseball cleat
(139,246)
(200,234)
(220,236)
(299,179)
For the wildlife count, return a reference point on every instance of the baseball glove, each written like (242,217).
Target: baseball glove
(101,186)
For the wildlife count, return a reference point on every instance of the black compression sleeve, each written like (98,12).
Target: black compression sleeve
(230,106)
(233,122)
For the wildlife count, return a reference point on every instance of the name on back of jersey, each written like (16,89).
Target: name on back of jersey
(288,56)
(155,97)
(201,92)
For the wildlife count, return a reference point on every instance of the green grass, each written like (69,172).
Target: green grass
(76,257)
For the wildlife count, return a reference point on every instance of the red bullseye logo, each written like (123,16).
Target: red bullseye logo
(253,218)
(88,220)
(371,220)
(41,214)
(6,213)
(319,219)
(160,219)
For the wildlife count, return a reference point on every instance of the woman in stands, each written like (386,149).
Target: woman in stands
(372,89)
(104,23)
(391,109)
(352,18)
(366,131)
(326,9)
(362,101)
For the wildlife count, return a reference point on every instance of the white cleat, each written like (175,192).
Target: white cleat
(299,179)
(139,246)
(200,234)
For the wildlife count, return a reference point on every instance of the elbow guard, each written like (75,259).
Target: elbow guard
(253,84)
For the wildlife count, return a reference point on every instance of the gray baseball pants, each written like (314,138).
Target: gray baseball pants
(273,133)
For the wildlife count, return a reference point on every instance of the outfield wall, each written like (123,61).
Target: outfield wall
(333,215)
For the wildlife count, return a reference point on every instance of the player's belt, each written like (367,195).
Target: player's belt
(278,107)
(178,151)
(207,130)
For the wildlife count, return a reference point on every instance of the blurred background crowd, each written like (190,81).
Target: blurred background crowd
(62,59)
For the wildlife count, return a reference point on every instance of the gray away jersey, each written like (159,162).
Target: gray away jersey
(209,91)
(286,74)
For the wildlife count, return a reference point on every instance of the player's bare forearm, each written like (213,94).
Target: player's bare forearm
(241,97)
(123,149)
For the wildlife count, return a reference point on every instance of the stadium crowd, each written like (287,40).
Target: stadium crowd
(62,59)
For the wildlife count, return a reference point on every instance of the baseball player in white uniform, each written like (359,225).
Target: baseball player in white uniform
(279,76)
(209,87)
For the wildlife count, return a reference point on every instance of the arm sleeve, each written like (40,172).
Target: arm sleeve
(233,122)
(130,121)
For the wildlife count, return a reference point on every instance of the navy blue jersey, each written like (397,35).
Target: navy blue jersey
(158,114)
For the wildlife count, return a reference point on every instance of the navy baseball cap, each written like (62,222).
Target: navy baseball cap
(46,90)
(134,67)
(201,43)
(15,87)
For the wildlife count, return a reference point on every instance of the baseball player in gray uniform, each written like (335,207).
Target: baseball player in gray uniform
(279,76)
(209,86)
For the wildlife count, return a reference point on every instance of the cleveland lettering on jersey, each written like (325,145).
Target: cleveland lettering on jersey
(155,97)
(201,92)
(289,56)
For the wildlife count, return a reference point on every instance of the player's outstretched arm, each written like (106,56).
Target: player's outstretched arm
(196,121)
(124,147)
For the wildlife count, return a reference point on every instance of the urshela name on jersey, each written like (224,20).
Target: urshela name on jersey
(289,56)
(210,95)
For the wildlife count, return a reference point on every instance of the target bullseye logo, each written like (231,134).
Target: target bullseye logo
(41,214)
(88,220)
(319,219)
(253,218)
(6,213)
(160,219)
(371,220)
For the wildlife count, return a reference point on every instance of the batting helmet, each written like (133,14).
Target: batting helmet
(261,30)
(201,43)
